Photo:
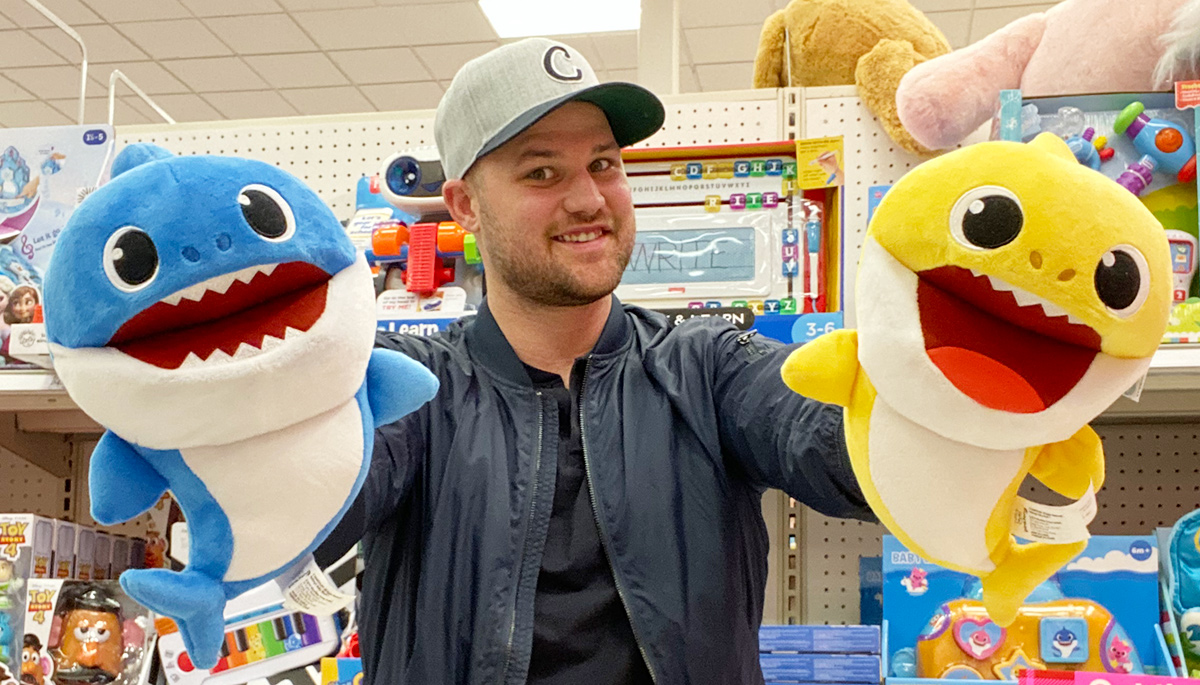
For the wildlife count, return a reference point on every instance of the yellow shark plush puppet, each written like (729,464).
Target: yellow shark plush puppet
(1006,296)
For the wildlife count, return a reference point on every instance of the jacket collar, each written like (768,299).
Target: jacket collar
(490,348)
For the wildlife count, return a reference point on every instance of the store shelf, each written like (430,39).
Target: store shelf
(1172,389)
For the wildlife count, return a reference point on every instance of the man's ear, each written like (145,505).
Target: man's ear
(458,194)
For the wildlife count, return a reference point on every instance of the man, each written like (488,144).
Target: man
(581,501)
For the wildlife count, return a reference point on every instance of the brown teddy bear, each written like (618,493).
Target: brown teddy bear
(870,43)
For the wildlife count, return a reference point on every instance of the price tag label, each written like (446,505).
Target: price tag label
(308,589)
(1056,525)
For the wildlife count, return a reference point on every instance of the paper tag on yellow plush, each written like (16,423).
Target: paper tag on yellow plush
(1054,524)
(312,592)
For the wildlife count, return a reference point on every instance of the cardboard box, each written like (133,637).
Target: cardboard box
(26,550)
(85,551)
(120,556)
(102,561)
(137,553)
(819,639)
(65,536)
(820,668)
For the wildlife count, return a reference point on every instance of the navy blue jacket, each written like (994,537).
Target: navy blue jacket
(683,430)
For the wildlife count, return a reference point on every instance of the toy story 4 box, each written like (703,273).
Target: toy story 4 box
(1096,614)
(44,174)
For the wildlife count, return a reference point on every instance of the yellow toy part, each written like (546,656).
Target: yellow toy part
(1006,296)
(961,641)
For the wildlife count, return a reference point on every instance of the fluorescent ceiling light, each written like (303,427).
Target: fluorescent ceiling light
(521,18)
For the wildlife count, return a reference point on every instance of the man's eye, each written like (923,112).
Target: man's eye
(602,165)
(540,174)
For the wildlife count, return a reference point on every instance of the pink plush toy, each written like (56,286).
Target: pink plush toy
(1075,47)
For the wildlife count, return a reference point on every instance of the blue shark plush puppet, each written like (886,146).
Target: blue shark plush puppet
(212,314)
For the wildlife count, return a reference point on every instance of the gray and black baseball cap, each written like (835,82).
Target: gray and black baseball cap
(496,96)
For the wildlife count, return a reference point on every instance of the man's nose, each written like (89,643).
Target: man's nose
(583,196)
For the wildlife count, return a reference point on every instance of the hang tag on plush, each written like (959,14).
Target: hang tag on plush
(1134,393)
(308,589)
(1054,524)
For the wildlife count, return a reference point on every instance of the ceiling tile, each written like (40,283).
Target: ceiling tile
(19,49)
(380,65)
(444,61)
(335,100)
(213,74)
(103,42)
(398,97)
(250,105)
(626,75)
(52,82)
(230,8)
(725,44)
(305,5)
(34,113)
(348,29)
(618,50)
(688,83)
(149,76)
(138,10)
(261,34)
(455,22)
(10,91)
(956,26)
(188,107)
(987,21)
(175,38)
(737,76)
(696,13)
(942,5)
(301,70)
(74,12)
(96,111)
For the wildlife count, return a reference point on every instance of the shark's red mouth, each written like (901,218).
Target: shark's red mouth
(231,316)
(1001,346)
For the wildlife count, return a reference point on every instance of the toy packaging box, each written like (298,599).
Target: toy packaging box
(1145,142)
(102,558)
(341,671)
(85,551)
(26,548)
(750,233)
(1097,614)
(44,174)
(66,536)
(84,632)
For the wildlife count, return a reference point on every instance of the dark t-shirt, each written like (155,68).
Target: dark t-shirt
(581,633)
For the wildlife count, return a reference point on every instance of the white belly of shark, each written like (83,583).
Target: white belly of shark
(263,485)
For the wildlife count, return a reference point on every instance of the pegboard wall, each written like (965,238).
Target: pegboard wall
(1153,478)
(872,159)
(331,153)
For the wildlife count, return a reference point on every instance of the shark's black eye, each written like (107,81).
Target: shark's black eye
(267,212)
(986,218)
(1122,280)
(130,259)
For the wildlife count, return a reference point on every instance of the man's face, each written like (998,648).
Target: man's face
(92,647)
(554,216)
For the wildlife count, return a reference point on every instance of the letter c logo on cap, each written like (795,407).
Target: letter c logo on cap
(553,70)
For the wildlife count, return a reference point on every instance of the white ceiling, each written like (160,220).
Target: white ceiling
(237,59)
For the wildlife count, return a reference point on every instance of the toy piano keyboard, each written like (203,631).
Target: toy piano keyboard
(260,641)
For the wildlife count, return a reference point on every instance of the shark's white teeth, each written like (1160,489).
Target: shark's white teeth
(289,333)
(218,355)
(218,284)
(191,360)
(246,350)
(270,342)
(975,272)
(998,284)
(1025,298)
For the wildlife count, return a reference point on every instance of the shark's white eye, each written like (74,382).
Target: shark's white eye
(1122,280)
(130,259)
(267,212)
(986,218)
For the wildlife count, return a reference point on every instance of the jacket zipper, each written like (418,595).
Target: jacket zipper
(587,469)
(537,469)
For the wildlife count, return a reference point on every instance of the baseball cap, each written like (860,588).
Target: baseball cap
(496,96)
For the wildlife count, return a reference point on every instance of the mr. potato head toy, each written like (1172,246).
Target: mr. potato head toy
(90,636)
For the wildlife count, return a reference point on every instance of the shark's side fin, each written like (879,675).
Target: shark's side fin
(193,600)
(121,482)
